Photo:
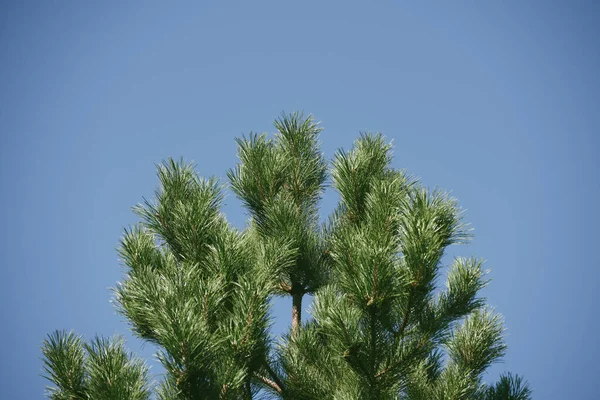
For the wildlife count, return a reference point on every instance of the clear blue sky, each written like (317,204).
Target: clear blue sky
(498,101)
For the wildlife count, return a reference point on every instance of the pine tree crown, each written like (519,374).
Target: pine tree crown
(380,325)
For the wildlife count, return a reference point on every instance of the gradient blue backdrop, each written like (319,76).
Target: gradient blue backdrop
(496,100)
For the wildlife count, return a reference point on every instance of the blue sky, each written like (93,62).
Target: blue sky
(496,101)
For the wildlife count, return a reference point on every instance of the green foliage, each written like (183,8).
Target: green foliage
(509,387)
(280,181)
(64,363)
(380,326)
(114,374)
(101,370)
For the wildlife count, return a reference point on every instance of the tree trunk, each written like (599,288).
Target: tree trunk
(296,312)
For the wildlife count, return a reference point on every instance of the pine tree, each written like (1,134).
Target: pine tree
(380,328)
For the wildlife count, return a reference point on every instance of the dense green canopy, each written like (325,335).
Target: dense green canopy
(381,327)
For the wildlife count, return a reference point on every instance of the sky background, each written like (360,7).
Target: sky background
(497,101)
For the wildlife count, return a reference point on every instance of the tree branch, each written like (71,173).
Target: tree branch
(404,323)
(406,316)
(269,383)
(274,375)
(372,373)
(285,287)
